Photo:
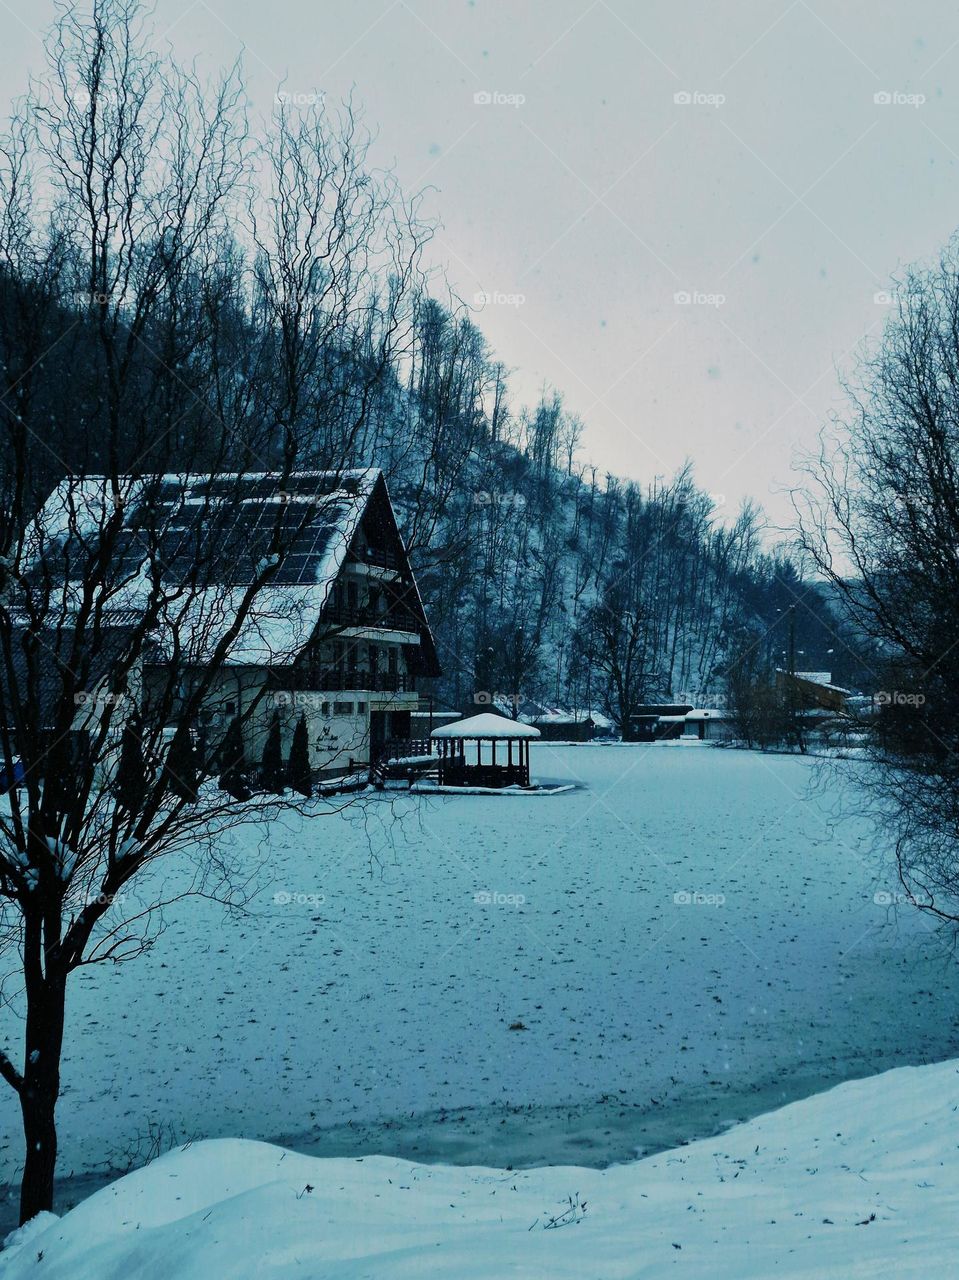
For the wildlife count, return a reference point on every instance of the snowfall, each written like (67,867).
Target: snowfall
(688,939)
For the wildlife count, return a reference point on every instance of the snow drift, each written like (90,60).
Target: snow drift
(861,1181)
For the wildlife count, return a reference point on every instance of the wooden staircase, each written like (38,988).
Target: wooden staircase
(403,761)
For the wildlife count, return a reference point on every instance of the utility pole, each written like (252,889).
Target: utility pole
(792,640)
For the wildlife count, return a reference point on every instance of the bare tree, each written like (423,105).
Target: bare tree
(209,351)
(881,522)
(756,698)
(612,637)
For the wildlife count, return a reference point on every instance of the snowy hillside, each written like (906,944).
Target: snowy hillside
(862,1181)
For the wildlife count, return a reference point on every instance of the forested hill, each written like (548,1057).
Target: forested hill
(547,580)
(543,578)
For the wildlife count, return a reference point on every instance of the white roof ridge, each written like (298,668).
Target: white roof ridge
(486,725)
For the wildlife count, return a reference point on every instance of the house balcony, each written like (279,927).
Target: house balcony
(377,556)
(343,680)
(396,618)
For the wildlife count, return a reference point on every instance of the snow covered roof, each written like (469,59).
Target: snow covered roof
(600,720)
(707,713)
(536,714)
(486,725)
(166,518)
(821,678)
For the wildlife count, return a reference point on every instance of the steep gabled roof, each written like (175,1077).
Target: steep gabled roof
(168,520)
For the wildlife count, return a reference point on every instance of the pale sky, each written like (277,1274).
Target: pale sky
(583,198)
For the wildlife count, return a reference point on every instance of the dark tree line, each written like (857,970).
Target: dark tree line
(880,520)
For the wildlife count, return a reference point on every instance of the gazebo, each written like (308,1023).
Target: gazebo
(482,768)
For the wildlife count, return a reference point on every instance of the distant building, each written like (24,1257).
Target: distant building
(654,721)
(559,724)
(710,724)
(813,689)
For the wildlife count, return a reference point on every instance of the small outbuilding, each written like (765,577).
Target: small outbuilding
(484,751)
(710,724)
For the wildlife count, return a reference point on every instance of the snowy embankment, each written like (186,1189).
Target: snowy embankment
(861,1181)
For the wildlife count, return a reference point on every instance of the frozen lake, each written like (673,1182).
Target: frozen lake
(686,939)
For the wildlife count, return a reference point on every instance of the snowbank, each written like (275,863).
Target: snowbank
(861,1181)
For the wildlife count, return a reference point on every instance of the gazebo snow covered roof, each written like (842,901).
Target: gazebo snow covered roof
(486,725)
(485,731)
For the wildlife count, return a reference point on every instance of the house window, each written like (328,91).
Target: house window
(229,708)
(324,708)
(361,708)
(342,708)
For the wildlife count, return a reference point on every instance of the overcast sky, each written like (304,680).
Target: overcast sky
(585,197)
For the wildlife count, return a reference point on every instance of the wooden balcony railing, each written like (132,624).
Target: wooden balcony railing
(343,680)
(395,618)
(403,749)
(378,556)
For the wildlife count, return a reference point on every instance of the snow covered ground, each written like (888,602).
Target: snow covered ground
(685,940)
(860,1182)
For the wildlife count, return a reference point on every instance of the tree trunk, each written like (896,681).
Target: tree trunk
(39,1093)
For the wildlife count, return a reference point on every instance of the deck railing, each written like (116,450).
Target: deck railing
(378,556)
(395,618)
(344,680)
